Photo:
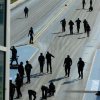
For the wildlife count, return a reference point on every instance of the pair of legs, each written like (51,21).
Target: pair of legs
(78,27)
(67,70)
(41,67)
(44,94)
(80,72)
(26,14)
(18,91)
(49,64)
(87,33)
(63,28)
(11,95)
(71,30)
(28,76)
(31,39)
(14,58)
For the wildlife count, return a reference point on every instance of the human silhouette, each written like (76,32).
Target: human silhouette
(21,70)
(18,81)
(78,21)
(14,55)
(63,22)
(12,90)
(31,33)
(91,8)
(88,29)
(85,23)
(67,64)
(48,57)
(51,89)
(83,2)
(30,93)
(28,68)
(41,60)
(80,66)
(44,89)
(26,11)
(90,2)
(71,26)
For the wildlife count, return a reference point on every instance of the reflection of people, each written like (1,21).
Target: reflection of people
(26,11)
(14,54)
(51,89)
(30,93)
(63,22)
(12,90)
(41,60)
(44,91)
(80,65)
(67,64)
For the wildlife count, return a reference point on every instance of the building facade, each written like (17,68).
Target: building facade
(4,48)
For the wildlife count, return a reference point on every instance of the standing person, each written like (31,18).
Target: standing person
(63,22)
(21,70)
(88,29)
(30,93)
(83,2)
(80,66)
(28,68)
(44,89)
(18,81)
(67,64)
(12,90)
(26,11)
(85,23)
(31,33)
(90,2)
(48,57)
(71,26)
(14,55)
(78,21)
(41,60)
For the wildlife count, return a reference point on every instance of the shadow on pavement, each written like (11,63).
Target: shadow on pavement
(20,18)
(81,38)
(56,33)
(77,33)
(64,35)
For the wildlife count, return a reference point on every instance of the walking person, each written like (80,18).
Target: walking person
(63,22)
(78,21)
(80,66)
(48,57)
(12,90)
(31,33)
(88,30)
(83,2)
(21,71)
(14,55)
(30,93)
(18,81)
(26,11)
(67,64)
(41,60)
(85,23)
(71,26)
(28,68)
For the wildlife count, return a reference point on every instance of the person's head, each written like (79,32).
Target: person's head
(51,83)
(68,56)
(47,52)
(27,62)
(41,54)
(31,28)
(21,63)
(13,47)
(64,18)
(78,18)
(70,20)
(80,59)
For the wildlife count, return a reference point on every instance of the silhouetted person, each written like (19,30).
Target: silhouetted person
(30,93)
(78,21)
(83,2)
(12,90)
(44,91)
(14,54)
(63,22)
(71,26)
(21,70)
(88,29)
(85,23)
(31,33)
(48,57)
(18,81)
(26,11)
(41,60)
(28,68)
(51,89)
(90,2)
(67,64)
(80,66)
(91,8)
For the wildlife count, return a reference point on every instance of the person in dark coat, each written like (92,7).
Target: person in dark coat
(67,64)
(12,90)
(63,22)
(41,60)
(14,54)
(51,89)
(91,8)
(71,26)
(88,29)
(30,93)
(83,2)
(44,89)
(18,81)
(48,57)
(28,68)
(31,33)
(85,23)
(21,70)
(78,21)
(80,66)
(26,11)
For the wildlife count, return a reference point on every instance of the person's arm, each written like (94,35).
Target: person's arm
(28,33)
(52,56)
(64,62)
(71,62)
